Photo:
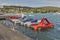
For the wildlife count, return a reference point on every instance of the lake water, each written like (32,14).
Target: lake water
(51,34)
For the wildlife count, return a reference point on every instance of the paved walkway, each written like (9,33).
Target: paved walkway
(7,34)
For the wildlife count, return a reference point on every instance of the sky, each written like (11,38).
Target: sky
(31,3)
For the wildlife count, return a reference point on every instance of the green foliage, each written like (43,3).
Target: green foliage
(17,9)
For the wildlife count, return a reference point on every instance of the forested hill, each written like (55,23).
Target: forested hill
(47,9)
(25,9)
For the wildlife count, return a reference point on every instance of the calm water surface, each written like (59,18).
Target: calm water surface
(50,34)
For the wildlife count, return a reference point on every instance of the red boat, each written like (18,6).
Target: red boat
(43,24)
(12,17)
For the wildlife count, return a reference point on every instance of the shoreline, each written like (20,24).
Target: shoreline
(8,34)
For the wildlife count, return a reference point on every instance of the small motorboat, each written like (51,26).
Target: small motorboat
(13,17)
(27,21)
(41,25)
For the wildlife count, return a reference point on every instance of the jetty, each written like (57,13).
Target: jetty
(7,34)
(2,17)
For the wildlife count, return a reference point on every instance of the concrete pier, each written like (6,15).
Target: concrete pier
(7,34)
(2,17)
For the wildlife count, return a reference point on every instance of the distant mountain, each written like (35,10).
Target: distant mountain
(18,6)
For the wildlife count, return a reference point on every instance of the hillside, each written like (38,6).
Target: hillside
(25,9)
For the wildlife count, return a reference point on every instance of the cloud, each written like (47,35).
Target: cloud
(7,4)
(1,4)
(37,4)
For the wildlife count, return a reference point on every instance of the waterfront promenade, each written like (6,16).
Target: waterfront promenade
(7,34)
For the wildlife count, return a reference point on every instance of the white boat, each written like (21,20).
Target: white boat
(31,15)
(15,21)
